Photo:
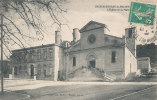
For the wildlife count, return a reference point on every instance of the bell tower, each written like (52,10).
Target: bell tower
(130,39)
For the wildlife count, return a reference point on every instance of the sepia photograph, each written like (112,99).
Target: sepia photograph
(78,49)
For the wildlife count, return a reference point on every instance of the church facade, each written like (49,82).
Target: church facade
(92,53)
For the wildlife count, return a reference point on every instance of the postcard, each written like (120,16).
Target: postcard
(78,49)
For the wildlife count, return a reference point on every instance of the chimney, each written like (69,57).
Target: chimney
(76,34)
(58,37)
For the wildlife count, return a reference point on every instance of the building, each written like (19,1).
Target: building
(91,52)
(148,50)
(114,56)
(40,62)
(6,68)
(143,64)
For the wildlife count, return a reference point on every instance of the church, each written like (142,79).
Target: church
(91,55)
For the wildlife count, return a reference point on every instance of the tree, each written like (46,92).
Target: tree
(22,20)
(19,15)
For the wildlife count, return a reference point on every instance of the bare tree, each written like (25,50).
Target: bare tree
(22,20)
(20,15)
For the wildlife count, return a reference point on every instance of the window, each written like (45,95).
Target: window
(39,54)
(50,52)
(25,55)
(130,33)
(22,57)
(50,69)
(74,61)
(39,70)
(45,72)
(19,57)
(45,53)
(31,54)
(91,38)
(15,70)
(113,59)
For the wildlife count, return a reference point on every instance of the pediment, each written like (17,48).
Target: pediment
(92,25)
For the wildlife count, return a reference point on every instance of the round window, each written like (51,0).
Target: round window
(91,38)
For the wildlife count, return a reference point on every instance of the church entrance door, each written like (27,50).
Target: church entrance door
(91,60)
(92,64)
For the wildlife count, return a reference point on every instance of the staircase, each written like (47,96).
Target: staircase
(109,77)
(89,74)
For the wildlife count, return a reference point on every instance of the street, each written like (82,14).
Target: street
(94,92)
(49,90)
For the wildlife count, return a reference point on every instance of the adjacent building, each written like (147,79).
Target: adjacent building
(143,64)
(91,48)
(40,62)
(6,68)
(148,50)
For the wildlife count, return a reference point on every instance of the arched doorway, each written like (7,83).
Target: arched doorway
(92,64)
(32,71)
(91,60)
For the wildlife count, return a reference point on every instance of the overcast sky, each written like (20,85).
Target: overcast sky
(80,12)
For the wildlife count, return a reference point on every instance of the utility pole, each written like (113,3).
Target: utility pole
(2,53)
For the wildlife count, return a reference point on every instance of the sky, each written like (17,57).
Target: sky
(80,12)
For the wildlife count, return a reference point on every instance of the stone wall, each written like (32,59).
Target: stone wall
(148,50)
(143,64)
(35,61)
(130,62)
(102,58)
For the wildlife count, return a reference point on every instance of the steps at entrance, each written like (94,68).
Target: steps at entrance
(87,75)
